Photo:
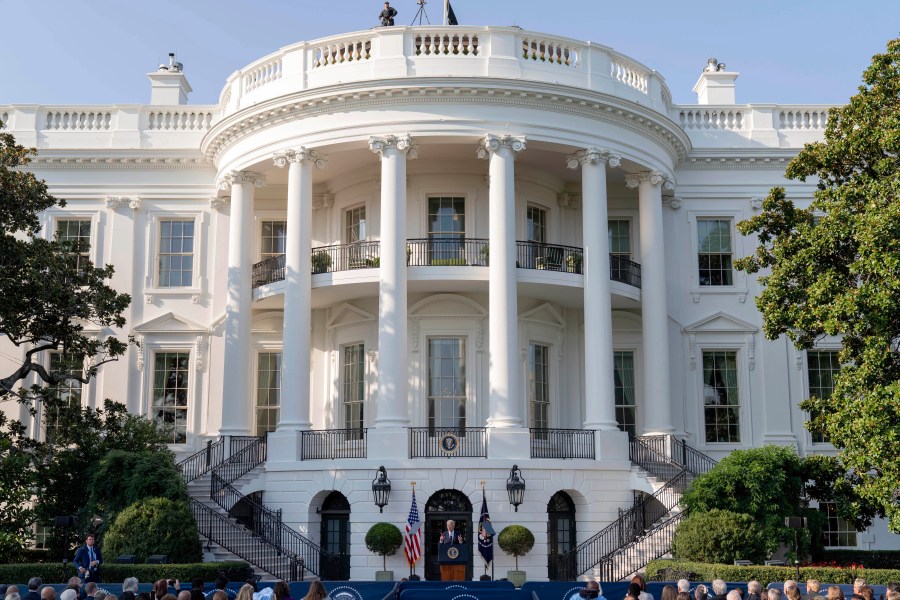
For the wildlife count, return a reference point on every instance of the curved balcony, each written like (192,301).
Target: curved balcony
(447,252)
(549,257)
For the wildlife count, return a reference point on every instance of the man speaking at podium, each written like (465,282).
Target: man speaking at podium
(450,536)
(452,554)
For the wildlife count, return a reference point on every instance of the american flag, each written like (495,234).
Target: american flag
(413,540)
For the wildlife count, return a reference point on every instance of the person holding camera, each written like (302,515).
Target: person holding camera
(591,590)
(387,15)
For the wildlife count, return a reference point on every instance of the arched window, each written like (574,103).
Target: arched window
(335,537)
(561,538)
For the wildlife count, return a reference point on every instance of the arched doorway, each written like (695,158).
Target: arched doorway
(440,508)
(561,538)
(335,537)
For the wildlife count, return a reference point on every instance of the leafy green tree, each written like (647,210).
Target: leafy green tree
(516,540)
(719,536)
(155,526)
(834,269)
(16,485)
(384,539)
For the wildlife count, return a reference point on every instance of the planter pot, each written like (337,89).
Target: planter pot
(384,575)
(516,577)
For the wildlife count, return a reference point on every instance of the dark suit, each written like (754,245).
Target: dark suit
(32,595)
(82,560)
(448,539)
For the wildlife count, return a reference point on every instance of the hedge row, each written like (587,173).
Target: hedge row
(871,559)
(670,570)
(116,573)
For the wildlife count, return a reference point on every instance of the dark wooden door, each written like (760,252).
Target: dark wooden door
(441,507)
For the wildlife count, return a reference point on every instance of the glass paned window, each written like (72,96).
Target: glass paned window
(355,228)
(171,377)
(446,382)
(42,536)
(626,408)
(837,531)
(272,238)
(353,387)
(446,231)
(721,407)
(268,391)
(620,237)
(536,225)
(76,234)
(66,393)
(821,368)
(176,253)
(714,251)
(539,386)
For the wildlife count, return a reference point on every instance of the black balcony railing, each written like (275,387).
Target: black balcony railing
(562,443)
(679,452)
(346,257)
(548,257)
(624,270)
(333,443)
(447,442)
(268,271)
(202,462)
(447,252)
(247,453)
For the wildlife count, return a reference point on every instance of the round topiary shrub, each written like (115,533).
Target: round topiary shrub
(384,539)
(719,536)
(155,526)
(516,540)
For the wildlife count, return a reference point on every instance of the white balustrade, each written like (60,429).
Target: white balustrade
(446,44)
(342,51)
(550,51)
(179,120)
(629,74)
(803,119)
(78,120)
(261,75)
(711,118)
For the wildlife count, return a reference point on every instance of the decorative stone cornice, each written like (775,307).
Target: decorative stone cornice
(401,143)
(219,202)
(492,143)
(116,202)
(675,202)
(593,156)
(325,200)
(756,203)
(281,159)
(240,177)
(633,180)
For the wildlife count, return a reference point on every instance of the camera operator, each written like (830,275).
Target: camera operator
(387,15)
(591,590)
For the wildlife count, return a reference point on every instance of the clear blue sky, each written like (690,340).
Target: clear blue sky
(98,51)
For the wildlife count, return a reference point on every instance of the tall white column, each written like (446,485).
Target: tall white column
(295,353)
(600,399)
(506,401)
(392,410)
(657,406)
(238,304)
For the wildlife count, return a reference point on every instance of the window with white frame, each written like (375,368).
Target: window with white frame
(65,393)
(536,224)
(355,225)
(721,405)
(76,235)
(620,237)
(272,238)
(539,387)
(175,257)
(42,535)
(626,407)
(836,531)
(446,231)
(353,388)
(169,398)
(821,368)
(446,382)
(714,252)
(268,391)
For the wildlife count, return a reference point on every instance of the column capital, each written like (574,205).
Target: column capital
(238,177)
(593,156)
(281,159)
(492,143)
(633,180)
(219,202)
(402,143)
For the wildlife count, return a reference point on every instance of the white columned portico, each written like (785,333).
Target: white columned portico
(657,410)
(295,354)
(392,404)
(236,417)
(506,401)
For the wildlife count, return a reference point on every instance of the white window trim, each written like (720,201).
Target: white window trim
(553,360)
(468,207)
(265,348)
(258,218)
(340,413)
(343,212)
(632,230)
(198,281)
(637,361)
(739,278)
(151,349)
(343,334)
(548,219)
(834,347)
(97,219)
(744,400)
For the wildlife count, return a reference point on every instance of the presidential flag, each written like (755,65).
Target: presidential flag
(413,540)
(449,15)
(485,533)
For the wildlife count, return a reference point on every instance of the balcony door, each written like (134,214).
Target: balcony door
(446,383)
(446,231)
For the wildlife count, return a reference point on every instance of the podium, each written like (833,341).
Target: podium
(453,559)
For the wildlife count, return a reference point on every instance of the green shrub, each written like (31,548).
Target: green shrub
(55,573)
(664,570)
(155,526)
(384,539)
(719,536)
(320,262)
(871,559)
(516,540)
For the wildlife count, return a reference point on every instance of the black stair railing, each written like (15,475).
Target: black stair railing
(636,554)
(202,462)
(647,457)
(680,453)
(247,453)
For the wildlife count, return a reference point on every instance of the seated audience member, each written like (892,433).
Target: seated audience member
(700,592)
(892,595)
(857,584)
(835,593)
(634,591)
(184,595)
(282,591)
(129,588)
(733,595)
(221,583)
(867,592)
(812,589)
(34,584)
(591,590)
(246,592)
(100,595)
(639,579)
(719,588)
(111,597)
(774,594)
(220,595)
(48,593)
(792,593)
(669,592)
(13,596)
(68,594)
(683,596)
(90,590)
(684,585)
(754,589)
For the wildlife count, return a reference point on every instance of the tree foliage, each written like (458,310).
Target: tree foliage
(834,269)
(719,536)
(155,526)
(516,540)
(384,539)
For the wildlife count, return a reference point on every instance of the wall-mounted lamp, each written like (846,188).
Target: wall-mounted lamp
(381,488)
(515,487)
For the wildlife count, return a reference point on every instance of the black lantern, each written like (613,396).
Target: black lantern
(515,487)
(381,488)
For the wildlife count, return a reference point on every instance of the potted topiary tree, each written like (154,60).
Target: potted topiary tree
(384,539)
(517,541)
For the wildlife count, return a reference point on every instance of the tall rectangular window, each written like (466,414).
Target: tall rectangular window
(446,231)
(169,407)
(539,385)
(837,531)
(536,224)
(446,382)
(176,253)
(355,226)
(66,393)
(268,391)
(76,234)
(821,368)
(714,252)
(353,387)
(620,237)
(272,239)
(626,407)
(721,406)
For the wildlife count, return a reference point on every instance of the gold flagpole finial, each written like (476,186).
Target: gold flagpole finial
(413,484)
(482,485)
